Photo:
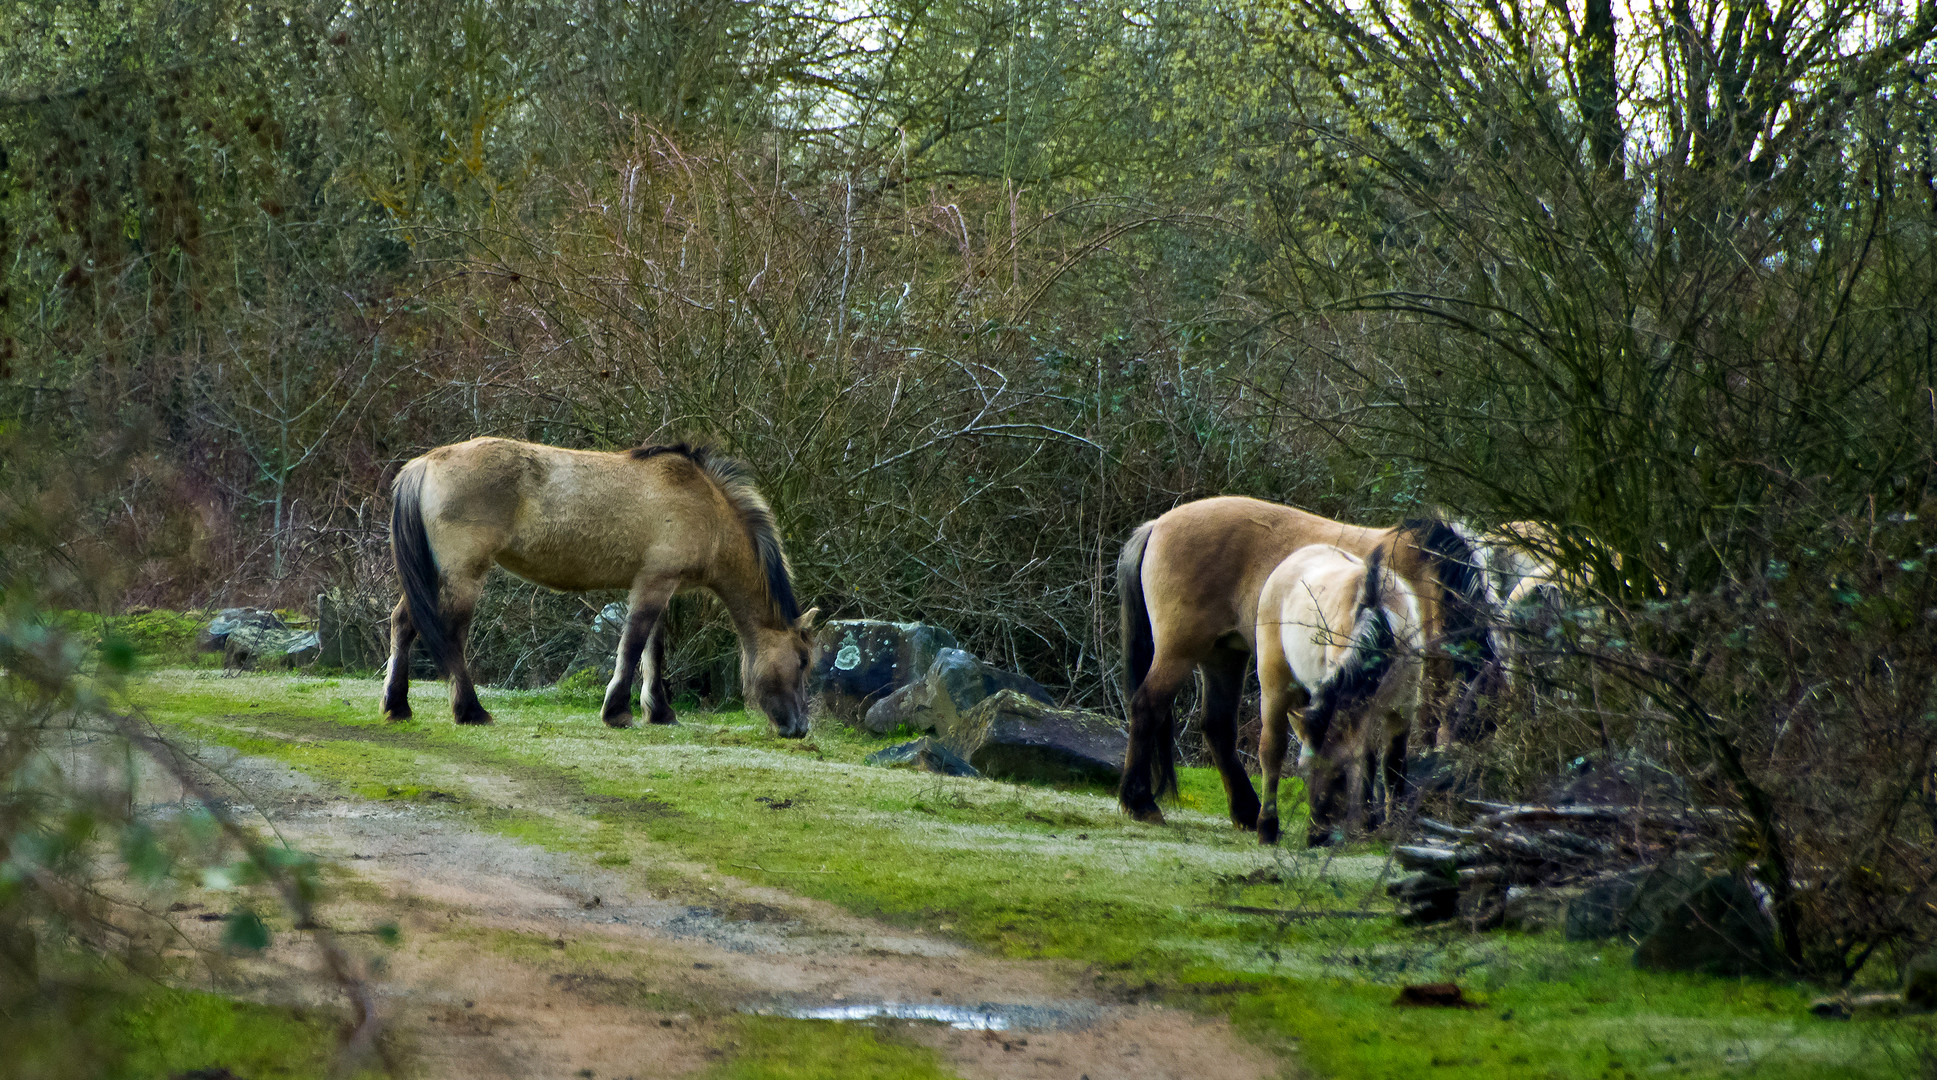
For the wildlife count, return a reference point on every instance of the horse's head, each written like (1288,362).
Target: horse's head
(776,673)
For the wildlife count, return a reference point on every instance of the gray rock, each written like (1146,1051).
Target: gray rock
(251,638)
(1632,903)
(1627,779)
(1601,909)
(955,683)
(925,754)
(350,635)
(1010,734)
(862,661)
(1719,929)
(599,650)
(228,620)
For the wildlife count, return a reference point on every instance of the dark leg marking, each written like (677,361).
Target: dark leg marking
(639,627)
(396,680)
(1223,686)
(659,706)
(464,695)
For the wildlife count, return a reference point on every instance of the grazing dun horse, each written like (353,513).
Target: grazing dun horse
(1335,630)
(1188,585)
(653,521)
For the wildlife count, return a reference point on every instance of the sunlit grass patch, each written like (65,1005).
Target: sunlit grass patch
(91,1028)
(772,1048)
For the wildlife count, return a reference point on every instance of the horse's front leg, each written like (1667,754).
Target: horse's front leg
(642,625)
(655,700)
(1275,712)
(1395,770)
(1223,687)
(396,679)
(1324,775)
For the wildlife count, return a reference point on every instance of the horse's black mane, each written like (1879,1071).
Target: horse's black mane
(1464,599)
(736,480)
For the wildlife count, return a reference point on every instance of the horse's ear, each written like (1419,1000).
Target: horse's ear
(805,624)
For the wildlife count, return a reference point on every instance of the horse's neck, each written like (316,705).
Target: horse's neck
(747,603)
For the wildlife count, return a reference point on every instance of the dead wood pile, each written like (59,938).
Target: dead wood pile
(1474,872)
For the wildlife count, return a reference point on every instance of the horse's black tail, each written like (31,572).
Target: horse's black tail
(1469,619)
(417,566)
(1158,741)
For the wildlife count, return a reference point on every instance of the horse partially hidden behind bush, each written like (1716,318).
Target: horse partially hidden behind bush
(1336,632)
(653,521)
(1188,585)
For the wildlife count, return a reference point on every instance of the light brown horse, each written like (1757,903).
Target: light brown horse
(1188,587)
(653,521)
(1337,632)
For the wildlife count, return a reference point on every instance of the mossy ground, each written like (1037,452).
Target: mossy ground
(113,1028)
(1035,871)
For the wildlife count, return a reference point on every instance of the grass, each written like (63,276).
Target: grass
(1035,871)
(80,1030)
(770,1048)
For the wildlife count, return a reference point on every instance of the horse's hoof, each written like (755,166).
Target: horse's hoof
(401,712)
(1267,832)
(1151,816)
(1318,838)
(663,717)
(617,719)
(475,718)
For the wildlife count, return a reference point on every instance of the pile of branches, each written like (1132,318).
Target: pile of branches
(1468,872)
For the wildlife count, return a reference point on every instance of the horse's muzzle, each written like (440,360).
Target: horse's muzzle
(789,718)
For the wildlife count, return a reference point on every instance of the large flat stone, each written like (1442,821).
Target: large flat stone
(1012,735)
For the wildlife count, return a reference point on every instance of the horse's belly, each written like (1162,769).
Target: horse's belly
(570,570)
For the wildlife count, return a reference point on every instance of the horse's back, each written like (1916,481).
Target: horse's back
(568,519)
(1206,561)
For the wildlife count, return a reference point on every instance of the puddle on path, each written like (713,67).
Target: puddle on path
(983,1017)
(960,1017)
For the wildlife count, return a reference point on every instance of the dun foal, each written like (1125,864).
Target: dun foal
(1340,660)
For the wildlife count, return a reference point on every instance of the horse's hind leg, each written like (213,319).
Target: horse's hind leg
(1150,761)
(1223,686)
(462,606)
(396,679)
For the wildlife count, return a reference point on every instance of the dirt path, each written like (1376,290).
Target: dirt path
(520,962)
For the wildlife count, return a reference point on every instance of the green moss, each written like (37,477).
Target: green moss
(1032,871)
(769,1048)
